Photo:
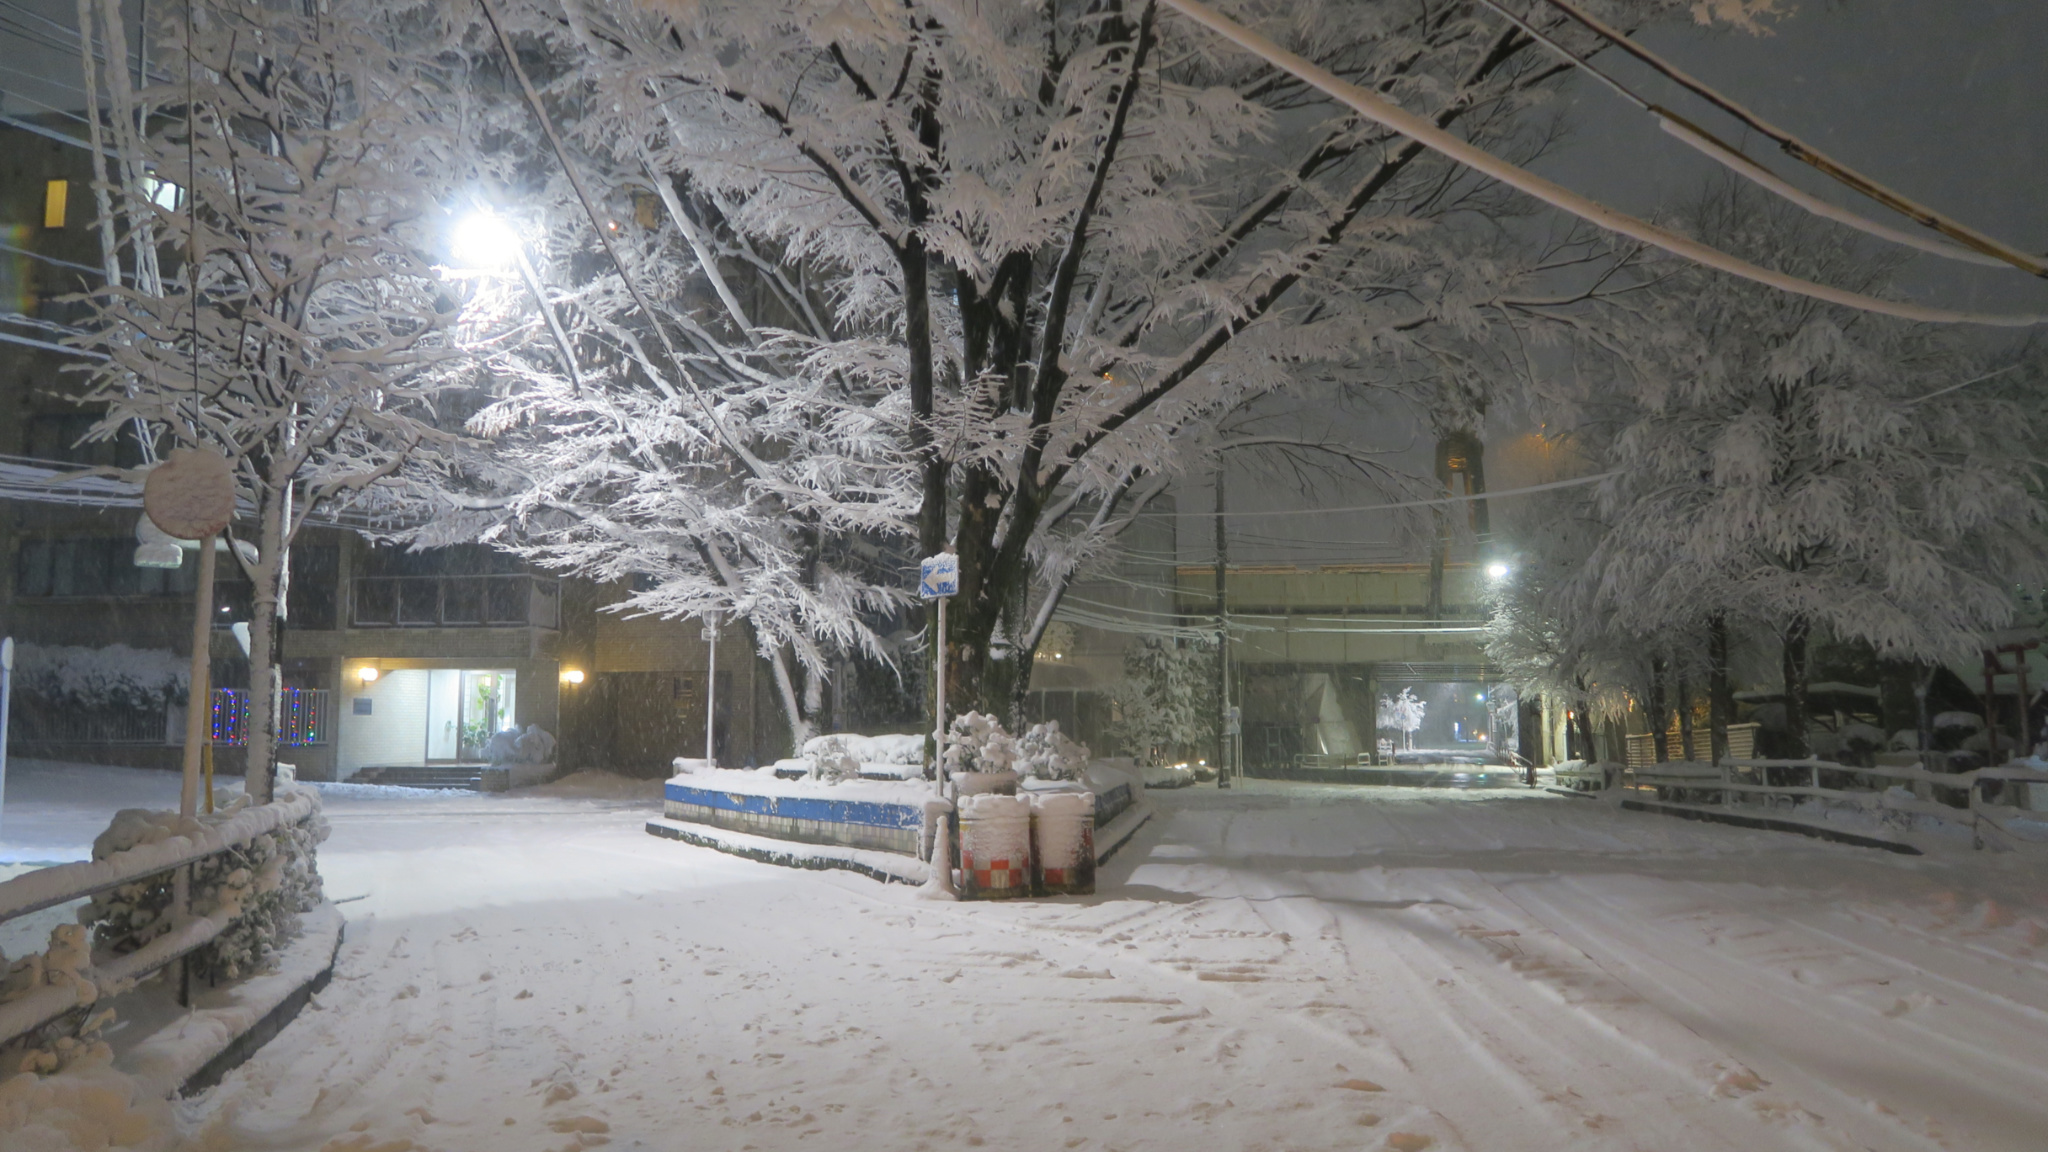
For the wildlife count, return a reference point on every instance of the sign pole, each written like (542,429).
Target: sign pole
(938,578)
(199,696)
(939,737)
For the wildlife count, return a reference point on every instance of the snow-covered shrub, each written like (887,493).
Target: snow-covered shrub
(830,761)
(264,884)
(512,746)
(116,676)
(889,748)
(1045,752)
(976,742)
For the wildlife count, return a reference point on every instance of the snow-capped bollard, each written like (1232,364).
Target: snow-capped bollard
(1063,843)
(995,847)
(938,853)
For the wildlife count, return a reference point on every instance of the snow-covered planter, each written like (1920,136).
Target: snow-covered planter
(263,884)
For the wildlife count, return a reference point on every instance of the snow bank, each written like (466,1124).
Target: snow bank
(89,1105)
(165,1062)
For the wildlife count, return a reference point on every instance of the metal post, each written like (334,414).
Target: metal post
(711,689)
(6,693)
(1222,642)
(199,695)
(939,738)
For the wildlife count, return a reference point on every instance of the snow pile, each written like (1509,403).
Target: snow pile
(116,676)
(88,1105)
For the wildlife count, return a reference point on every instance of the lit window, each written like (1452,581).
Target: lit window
(56,200)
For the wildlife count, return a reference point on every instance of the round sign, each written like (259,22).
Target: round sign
(191,495)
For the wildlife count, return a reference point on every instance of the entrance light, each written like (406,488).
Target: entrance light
(572,675)
(367,673)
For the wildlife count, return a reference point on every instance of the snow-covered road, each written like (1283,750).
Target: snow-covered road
(1280,967)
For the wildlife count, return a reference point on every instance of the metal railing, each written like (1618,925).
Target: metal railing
(41,722)
(455,602)
(63,883)
(304,716)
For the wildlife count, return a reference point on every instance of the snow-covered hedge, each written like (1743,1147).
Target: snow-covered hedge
(116,676)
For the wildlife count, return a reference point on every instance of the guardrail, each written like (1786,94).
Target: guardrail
(61,883)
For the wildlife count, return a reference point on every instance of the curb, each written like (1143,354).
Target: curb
(814,858)
(1771,825)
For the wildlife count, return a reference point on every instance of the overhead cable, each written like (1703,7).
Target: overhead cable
(1733,158)
(1800,150)
(1377,109)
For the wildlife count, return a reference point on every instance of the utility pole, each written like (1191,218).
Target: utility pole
(1225,724)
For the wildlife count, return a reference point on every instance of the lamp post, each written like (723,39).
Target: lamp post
(711,689)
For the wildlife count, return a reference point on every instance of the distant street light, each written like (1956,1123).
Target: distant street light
(1497,571)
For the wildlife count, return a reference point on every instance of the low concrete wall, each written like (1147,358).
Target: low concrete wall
(505,777)
(850,823)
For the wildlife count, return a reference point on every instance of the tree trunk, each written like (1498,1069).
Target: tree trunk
(1686,745)
(260,737)
(1720,705)
(1660,711)
(1584,722)
(1795,673)
(792,705)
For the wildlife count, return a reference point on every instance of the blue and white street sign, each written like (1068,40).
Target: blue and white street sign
(939,576)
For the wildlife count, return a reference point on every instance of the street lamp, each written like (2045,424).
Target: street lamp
(484,242)
(1497,571)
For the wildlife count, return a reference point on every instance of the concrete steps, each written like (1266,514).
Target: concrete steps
(452,777)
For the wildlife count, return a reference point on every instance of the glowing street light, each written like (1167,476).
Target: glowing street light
(484,241)
(1497,571)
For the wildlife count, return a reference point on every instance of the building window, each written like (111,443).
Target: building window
(56,203)
(94,566)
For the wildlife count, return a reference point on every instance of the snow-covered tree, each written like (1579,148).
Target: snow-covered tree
(297,327)
(1808,468)
(1166,699)
(1004,257)
(1403,712)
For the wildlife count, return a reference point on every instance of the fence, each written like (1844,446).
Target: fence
(38,721)
(1642,747)
(62,883)
(455,602)
(304,716)
(1986,800)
